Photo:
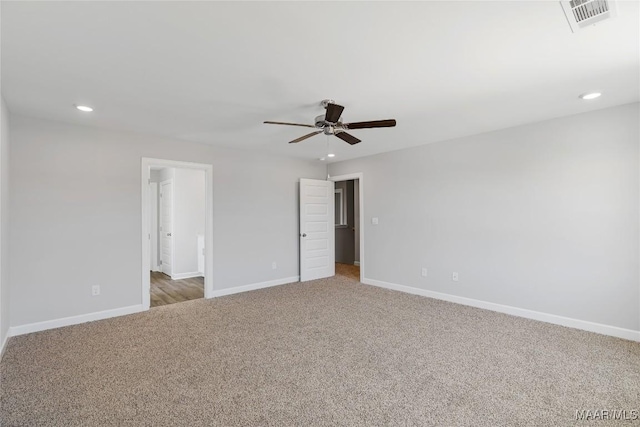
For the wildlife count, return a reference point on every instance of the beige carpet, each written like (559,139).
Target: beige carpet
(329,352)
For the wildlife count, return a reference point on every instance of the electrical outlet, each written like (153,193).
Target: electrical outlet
(424,272)
(454,276)
(274,265)
(374,221)
(95,290)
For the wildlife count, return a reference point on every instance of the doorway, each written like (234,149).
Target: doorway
(347,227)
(177,232)
(317,228)
(165,223)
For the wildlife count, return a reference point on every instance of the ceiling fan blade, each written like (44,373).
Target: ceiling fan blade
(347,138)
(289,124)
(334,111)
(372,124)
(302,138)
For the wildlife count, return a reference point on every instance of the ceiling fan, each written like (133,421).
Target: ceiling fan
(330,124)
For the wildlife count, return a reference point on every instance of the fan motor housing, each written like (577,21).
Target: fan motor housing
(320,121)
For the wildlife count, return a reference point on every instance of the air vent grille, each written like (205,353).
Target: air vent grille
(582,13)
(586,9)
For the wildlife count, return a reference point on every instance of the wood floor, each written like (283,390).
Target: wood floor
(348,270)
(166,291)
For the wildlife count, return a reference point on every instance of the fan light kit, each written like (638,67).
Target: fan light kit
(330,124)
(84,108)
(590,95)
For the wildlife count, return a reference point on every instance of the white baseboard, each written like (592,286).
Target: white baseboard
(356,263)
(90,317)
(3,345)
(254,286)
(180,276)
(628,334)
(73,320)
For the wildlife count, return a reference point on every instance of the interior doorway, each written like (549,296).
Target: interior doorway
(349,218)
(179,212)
(319,201)
(177,232)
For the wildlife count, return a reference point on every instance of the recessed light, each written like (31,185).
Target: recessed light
(84,108)
(321,158)
(590,95)
(331,155)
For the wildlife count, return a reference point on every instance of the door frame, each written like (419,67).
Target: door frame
(146,165)
(160,211)
(360,177)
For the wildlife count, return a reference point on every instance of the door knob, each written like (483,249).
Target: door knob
(169,234)
(304,234)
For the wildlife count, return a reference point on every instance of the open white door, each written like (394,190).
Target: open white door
(153,226)
(317,238)
(166,227)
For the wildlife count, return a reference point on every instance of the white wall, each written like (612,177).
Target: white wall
(4,223)
(542,217)
(189,215)
(76,205)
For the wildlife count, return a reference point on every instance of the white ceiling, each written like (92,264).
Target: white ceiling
(212,72)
